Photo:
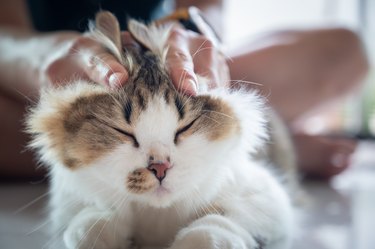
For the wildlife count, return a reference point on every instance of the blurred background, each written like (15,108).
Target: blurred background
(337,214)
(357,116)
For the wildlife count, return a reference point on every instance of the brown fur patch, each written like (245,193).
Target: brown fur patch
(83,131)
(86,109)
(216,119)
(88,129)
(140,181)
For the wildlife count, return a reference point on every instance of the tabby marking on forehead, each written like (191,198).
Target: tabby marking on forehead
(149,73)
(180,107)
(141,99)
(167,95)
(128,111)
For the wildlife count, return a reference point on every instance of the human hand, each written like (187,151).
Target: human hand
(192,54)
(189,54)
(79,56)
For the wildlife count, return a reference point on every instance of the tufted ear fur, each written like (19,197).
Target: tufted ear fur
(140,32)
(107,24)
(106,30)
(151,36)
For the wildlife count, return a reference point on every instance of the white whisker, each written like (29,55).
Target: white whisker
(31,203)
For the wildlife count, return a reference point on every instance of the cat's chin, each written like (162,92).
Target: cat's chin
(162,191)
(161,197)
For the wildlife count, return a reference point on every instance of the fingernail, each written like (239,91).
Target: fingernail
(116,80)
(193,85)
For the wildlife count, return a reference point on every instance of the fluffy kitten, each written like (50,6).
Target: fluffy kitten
(146,166)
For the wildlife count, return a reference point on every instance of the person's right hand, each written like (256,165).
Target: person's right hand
(81,57)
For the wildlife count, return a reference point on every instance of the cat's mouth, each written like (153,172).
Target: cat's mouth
(162,191)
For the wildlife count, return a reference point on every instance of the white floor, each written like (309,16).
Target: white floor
(336,215)
(341,214)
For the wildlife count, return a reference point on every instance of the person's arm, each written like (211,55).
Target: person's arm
(26,58)
(30,59)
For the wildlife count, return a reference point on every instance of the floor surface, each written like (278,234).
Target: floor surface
(335,215)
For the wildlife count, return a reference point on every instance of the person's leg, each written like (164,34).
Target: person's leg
(15,161)
(299,71)
(321,156)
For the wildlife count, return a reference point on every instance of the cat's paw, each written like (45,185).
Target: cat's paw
(209,238)
(92,230)
(214,231)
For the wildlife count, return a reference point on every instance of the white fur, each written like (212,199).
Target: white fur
(93,203)
(93,207)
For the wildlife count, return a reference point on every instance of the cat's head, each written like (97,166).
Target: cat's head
(144,142)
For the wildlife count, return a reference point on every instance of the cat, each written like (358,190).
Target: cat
(146,166)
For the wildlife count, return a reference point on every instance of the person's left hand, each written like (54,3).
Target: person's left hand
(190,54)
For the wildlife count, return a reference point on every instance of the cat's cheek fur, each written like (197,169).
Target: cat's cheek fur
(206,167)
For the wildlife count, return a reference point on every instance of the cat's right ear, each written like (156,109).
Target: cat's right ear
(107,23)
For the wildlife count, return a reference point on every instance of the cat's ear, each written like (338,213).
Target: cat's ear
(152,36)
(108,24)
(141,33)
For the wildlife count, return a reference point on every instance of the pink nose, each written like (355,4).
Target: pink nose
(159,169)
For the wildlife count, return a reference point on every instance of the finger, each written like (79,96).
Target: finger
(180,63)
(209,62)
(203,57)
(103,68)
(99,65)
(63,70)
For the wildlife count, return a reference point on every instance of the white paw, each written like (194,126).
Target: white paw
(92,230)
(209,238)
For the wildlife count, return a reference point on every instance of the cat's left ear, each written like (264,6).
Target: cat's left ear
(141,33)
(108,24)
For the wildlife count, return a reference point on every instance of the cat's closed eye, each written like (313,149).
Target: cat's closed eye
(184,129)
(129,135)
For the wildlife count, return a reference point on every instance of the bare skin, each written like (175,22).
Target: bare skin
(32,59)
(301,72)
(335,63)
(326,63)
(334,155)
